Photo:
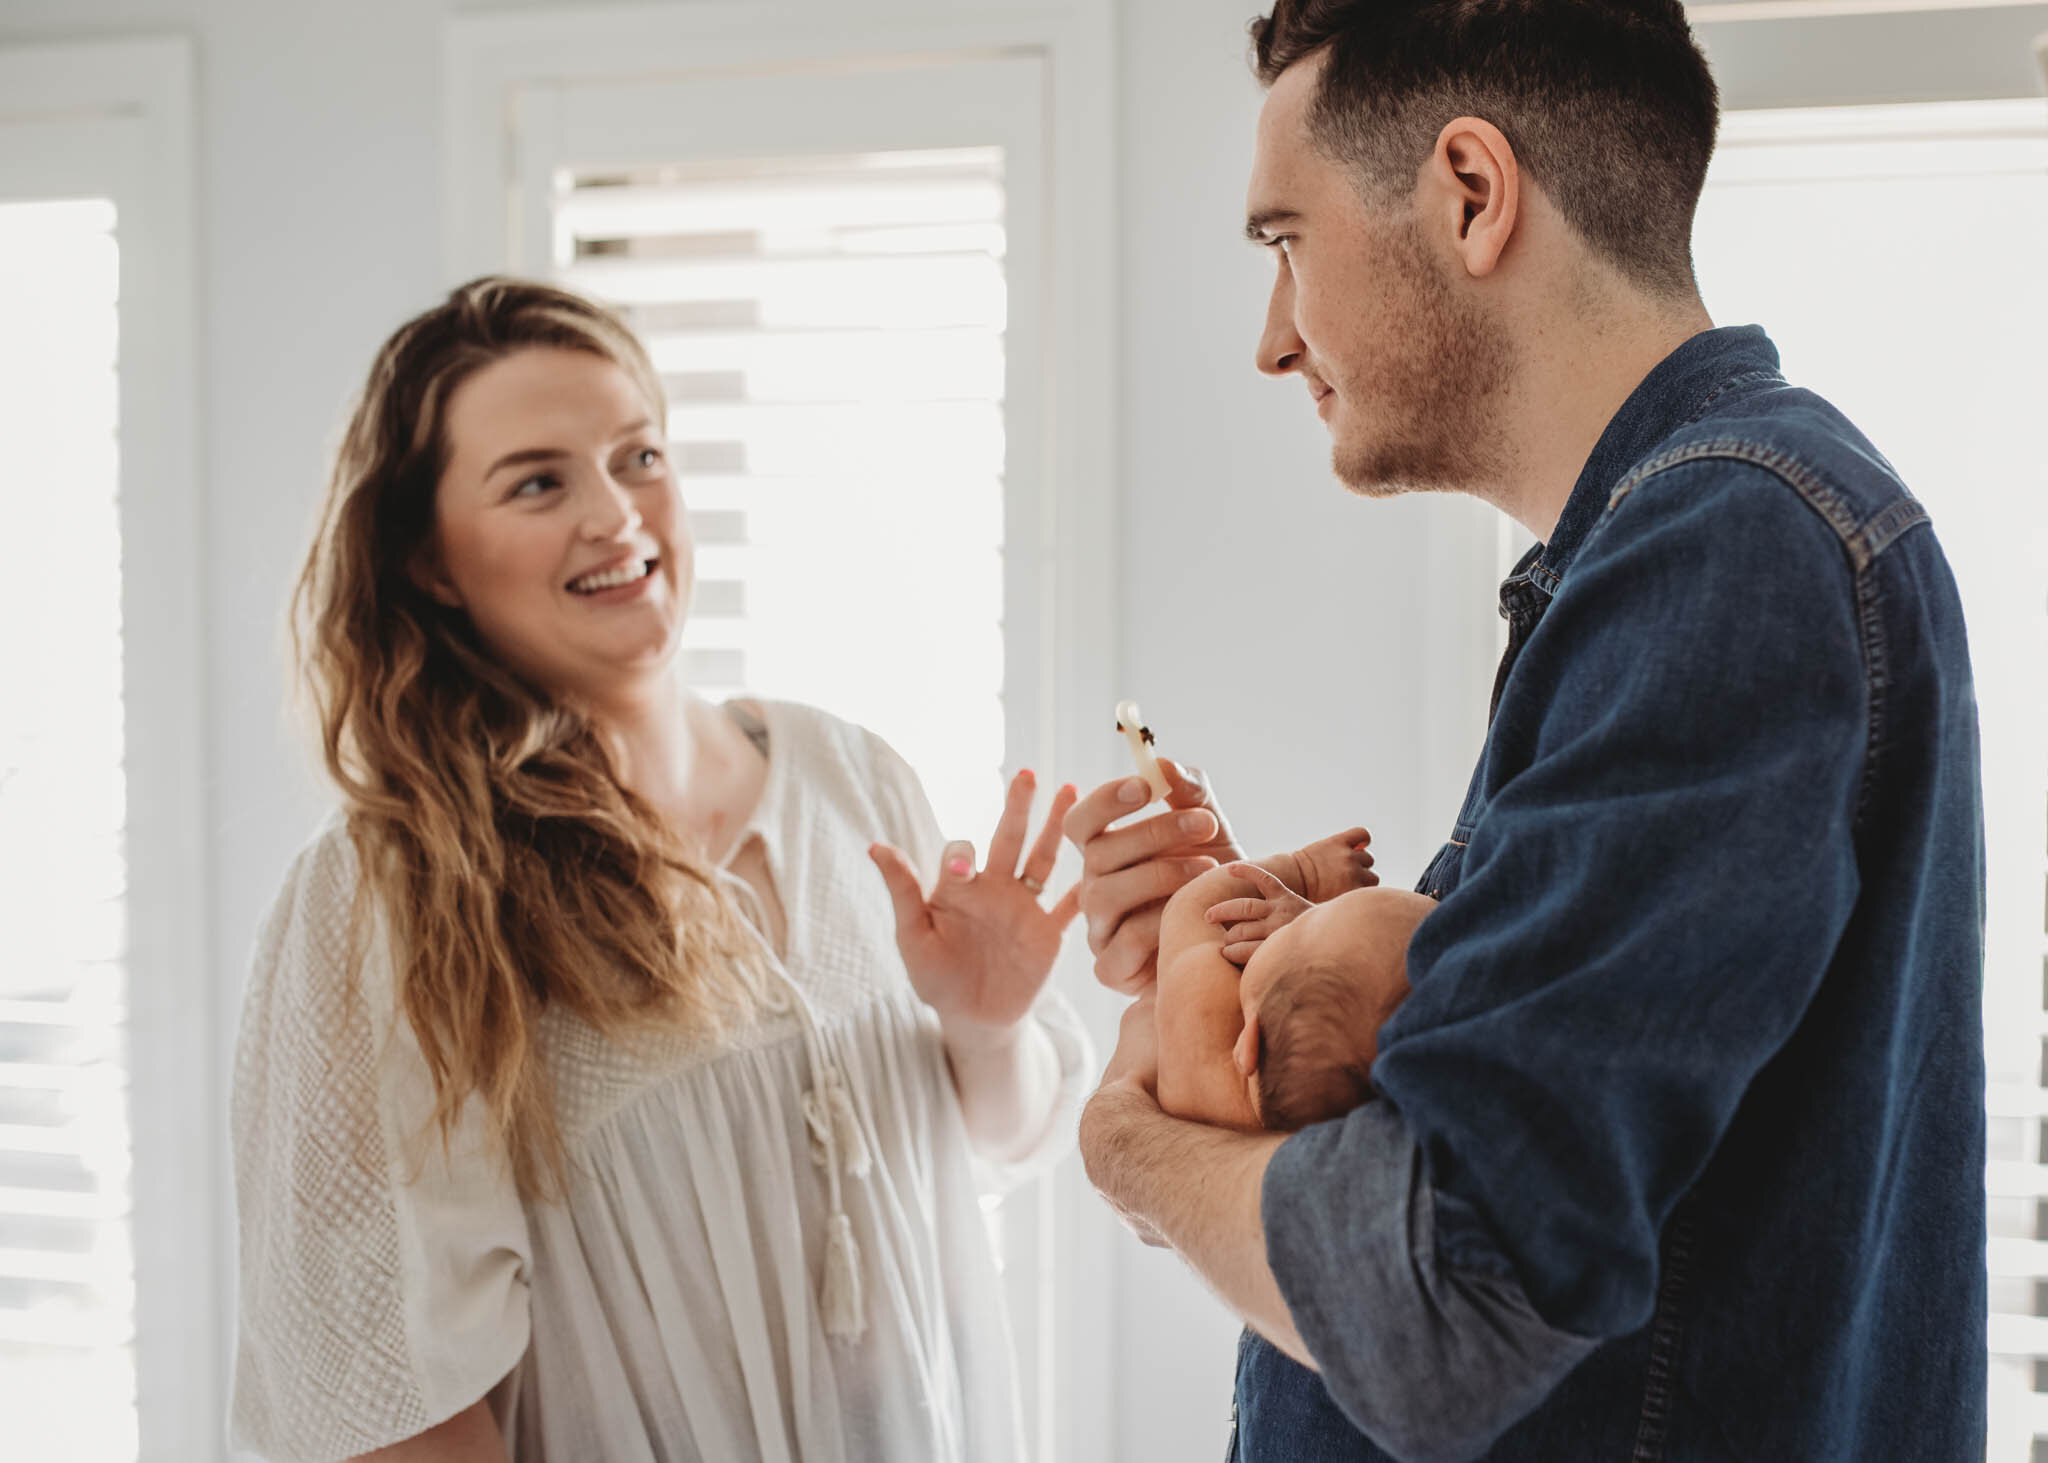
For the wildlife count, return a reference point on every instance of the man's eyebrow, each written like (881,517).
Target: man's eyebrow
(1259,227)
(549,454)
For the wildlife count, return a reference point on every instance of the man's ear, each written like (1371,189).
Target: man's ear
(1246,1053)
(1472,184)
(429,574)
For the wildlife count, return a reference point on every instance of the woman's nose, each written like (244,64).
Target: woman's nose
(611,512)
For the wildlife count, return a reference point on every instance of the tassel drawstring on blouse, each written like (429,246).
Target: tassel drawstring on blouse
(836,1141)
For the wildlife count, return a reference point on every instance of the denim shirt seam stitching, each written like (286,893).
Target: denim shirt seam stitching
(1811,488)
(1741,378)
(1876,681)
(1862,542)
(1667,1334)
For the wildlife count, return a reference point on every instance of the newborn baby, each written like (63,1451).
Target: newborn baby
(1291,1039)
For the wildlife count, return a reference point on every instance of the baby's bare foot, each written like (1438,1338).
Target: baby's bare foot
(1336,865)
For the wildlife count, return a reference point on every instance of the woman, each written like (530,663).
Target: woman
(593,1098)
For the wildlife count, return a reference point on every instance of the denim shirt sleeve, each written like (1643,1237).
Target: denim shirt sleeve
(1448,1357)
(1650,894)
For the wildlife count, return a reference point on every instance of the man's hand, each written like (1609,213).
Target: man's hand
(1128,875)
(1130,1083)
(1135,1062)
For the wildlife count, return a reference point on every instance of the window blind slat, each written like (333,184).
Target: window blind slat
(830,333)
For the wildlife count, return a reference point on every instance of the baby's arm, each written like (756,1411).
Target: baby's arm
(1198,1010)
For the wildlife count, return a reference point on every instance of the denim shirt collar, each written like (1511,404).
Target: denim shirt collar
(1678,390)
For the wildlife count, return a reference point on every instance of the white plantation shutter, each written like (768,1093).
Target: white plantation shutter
(67,1280)
(109,1311)
(1944,362)
(838,276)
(830,332)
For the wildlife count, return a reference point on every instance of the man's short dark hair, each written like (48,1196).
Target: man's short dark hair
(1608,105)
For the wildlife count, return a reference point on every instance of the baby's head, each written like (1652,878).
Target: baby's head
(1315,994)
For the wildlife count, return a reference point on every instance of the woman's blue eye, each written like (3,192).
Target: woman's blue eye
(647,457)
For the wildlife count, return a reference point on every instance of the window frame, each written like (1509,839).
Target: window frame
(125,110)
(1066,543)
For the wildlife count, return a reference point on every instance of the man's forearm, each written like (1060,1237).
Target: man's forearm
(1197,1189)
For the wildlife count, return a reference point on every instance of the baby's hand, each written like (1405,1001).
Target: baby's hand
(1247,922)
(1336,865)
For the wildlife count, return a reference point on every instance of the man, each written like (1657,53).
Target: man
(1679,1147)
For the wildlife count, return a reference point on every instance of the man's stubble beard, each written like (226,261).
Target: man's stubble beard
(1437,399)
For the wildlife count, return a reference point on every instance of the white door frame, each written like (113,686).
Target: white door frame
(1069,1336)
(126,108)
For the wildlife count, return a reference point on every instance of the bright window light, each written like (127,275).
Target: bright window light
(67,1369)
(830,333)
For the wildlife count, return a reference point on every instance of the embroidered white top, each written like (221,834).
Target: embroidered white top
(668,1308)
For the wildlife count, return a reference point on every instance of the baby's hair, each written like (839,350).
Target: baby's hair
(1317,1041)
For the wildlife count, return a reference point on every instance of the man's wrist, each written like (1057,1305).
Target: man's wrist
(1109,1125)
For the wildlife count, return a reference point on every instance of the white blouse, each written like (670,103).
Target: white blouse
(669,1306)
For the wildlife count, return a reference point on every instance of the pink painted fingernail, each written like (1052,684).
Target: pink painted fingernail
(958,866)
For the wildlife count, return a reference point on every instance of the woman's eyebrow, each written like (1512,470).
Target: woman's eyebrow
(549,454)
(522,456)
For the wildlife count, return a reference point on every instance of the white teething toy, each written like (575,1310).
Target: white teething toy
(1132,725)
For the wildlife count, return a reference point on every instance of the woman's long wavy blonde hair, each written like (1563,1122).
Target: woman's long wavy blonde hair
(514,871)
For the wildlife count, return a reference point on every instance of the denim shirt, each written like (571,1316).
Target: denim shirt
(1679,1154)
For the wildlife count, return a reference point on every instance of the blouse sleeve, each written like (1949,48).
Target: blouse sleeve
(915,828)
(382,1279)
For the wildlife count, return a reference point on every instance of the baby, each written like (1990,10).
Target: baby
(1291,1039)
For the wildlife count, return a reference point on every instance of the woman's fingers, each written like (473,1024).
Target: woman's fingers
(905,894)
(1045,852)
(1008,842)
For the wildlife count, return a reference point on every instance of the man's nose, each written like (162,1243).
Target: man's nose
(1280,345)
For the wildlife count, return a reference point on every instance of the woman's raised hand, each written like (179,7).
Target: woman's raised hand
(980,947)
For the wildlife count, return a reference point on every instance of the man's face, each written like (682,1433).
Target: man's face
(1367,310)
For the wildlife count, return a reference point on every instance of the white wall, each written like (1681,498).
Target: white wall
(1277,631)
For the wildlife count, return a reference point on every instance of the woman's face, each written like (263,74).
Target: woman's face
(559,528)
